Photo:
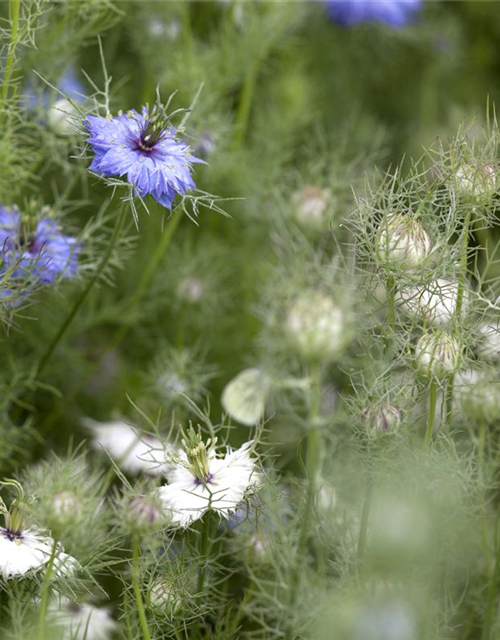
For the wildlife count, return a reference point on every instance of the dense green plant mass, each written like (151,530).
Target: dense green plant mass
(249,311)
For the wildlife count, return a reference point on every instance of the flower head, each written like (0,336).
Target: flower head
(44,254)
(81,621)
(144,148)
(132,451)
(200,481)
(395,13)
(23,549)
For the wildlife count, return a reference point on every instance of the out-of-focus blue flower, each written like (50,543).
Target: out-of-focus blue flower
(43,255)
(395,13)
(144,148)
(50,253)
(36,96)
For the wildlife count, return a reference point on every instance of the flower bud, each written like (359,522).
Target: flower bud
(315,326)
(310,207)
(402,241)
(383,419)
(478,395)
(475,181)
(165,598)
(60,117)
(259,549)
(435,303)
(67,505)
(244,398)
(191,290)
(326,498)
(488,347)
(438,355)
(144,512)
(205,145)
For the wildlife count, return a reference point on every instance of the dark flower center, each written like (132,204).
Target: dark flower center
(207,480)
(153,129)
(12,535)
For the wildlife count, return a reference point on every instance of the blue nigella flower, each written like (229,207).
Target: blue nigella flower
(43,255)
(144,148)
(395,13)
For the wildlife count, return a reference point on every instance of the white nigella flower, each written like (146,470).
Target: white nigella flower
(81,621)
(132,451)
(438,354)
(402,241)
(310,207)
(199,481)
(23,550)
(244,397)
(435,303)
(316,325)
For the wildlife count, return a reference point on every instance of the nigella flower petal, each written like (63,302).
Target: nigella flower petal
(395,13)
(52,253)
(10,221)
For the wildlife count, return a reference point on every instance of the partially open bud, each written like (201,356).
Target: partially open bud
(315,326)
(143,512)
(488,347)
(385,418)
(438,355)
(60,117)
(165,598)
(244,398)
(476,180)
(435,303)
(402,242)
(310,207)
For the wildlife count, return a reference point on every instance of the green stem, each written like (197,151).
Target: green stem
(492,596)
(313,472)
(203,553)
(458,309)
(78,304)
(245,103)
(14,11)
(147,276)
(44,601)
(432,412)
(463,267)
(137,589)
(391,312)
(449,400)
(365,517)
